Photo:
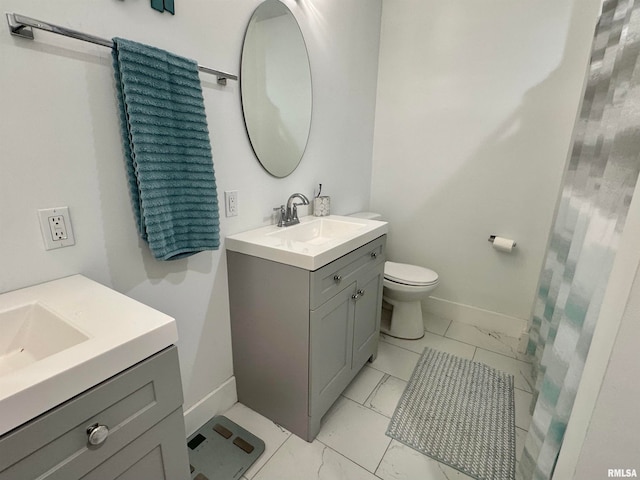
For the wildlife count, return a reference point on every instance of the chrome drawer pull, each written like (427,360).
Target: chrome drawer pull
(337,278)
(374,255)
(97,434)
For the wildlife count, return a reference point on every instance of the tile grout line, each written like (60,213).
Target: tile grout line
(387,447)
(487,349)
(271,457)
(447,329)
(382,457)
(420,353)
(521,389)
(353,461)
(386,373)
(376,388)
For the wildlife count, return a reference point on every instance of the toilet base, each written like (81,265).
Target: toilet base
(406,320)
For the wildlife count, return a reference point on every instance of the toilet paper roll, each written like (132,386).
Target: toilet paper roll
(503,244)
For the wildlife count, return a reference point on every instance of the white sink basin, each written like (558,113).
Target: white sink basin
(318,231)
(31,333)
(311,244)
(60,338)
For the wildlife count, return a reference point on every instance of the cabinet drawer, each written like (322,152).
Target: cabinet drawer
(332,278)
(55,444)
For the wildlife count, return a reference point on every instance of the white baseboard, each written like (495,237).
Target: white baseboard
(485,319)
(218,401)
(524,342)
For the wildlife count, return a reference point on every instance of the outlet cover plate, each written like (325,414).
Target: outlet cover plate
(55,225)
(231,203)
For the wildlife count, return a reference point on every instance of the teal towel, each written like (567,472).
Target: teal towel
(167,150)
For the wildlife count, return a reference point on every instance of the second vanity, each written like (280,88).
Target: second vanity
(89,386)
(305,314)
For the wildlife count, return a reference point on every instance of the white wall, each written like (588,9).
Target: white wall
(60,145)
(475,109)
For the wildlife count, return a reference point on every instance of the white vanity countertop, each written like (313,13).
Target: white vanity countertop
(313,243)
(120,332)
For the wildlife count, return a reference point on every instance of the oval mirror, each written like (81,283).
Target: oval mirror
(275,86)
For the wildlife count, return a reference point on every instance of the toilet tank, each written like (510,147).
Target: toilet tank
(367,215)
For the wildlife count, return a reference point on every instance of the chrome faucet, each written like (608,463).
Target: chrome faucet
(291,214)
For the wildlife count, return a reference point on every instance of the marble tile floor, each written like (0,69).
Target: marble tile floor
(352,444)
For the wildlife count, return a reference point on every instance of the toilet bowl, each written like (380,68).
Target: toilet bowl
(404,287)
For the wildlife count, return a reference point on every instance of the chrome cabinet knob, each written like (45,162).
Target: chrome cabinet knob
(337,278)
(97,434)
(359,293)
(374,255)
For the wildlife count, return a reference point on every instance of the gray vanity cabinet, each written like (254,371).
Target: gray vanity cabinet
(299,337)
(142,408)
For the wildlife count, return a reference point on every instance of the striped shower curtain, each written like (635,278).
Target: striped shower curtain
(597,191)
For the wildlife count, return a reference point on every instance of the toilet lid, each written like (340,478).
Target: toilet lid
(409,274)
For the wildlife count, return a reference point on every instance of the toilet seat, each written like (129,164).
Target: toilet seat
(406,274)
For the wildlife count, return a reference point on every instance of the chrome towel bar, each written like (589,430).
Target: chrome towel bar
(22,26)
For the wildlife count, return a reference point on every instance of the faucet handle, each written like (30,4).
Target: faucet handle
(281,214)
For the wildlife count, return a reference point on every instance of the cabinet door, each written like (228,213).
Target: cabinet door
(331,334)
(158,454)
(367,315)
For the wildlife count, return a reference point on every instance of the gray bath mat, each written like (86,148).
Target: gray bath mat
(460,413)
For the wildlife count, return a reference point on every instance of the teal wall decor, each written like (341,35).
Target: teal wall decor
(162,5)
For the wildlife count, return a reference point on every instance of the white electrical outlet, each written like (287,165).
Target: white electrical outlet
(231,203)
(58,228)
(55,225)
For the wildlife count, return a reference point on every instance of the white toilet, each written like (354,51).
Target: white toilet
(404,287)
